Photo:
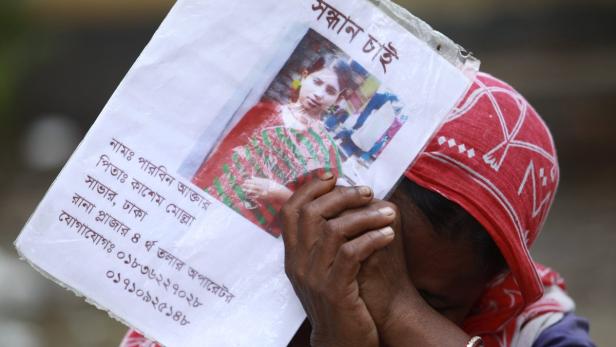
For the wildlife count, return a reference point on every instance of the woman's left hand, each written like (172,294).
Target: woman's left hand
(266,189)
(325,244)
(385,284)
(402,316)
(384,278)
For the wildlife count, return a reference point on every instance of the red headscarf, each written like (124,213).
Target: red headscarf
(495,157)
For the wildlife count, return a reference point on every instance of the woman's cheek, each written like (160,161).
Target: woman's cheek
(328,102)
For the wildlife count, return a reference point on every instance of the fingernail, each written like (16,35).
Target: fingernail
(365,191)
(327,176)
(387,231)
(387,211)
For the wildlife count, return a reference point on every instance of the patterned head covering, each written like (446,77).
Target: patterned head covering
(495,157)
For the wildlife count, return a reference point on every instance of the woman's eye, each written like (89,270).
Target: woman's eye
(331,91)
(318,81)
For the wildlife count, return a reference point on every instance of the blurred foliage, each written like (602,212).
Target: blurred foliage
(12,28)
(23,45)
(18,55)
(13,60)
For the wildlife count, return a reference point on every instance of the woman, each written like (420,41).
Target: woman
(445,262)
(271,150)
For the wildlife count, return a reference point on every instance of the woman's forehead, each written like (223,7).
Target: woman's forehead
(438,263)
(435,261)
(328,75)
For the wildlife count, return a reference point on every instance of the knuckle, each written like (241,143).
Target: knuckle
(314,284)
(287,212)
(299,276)
(372,263)
(352,193)
(348,252)
(331,229)
(329,294)
(393,206)
(372,237)
(385,203)
(367,214)
(308,210)
(294,272)
(368,238)
(341,192)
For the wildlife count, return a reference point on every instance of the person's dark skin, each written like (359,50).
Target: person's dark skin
(362,285)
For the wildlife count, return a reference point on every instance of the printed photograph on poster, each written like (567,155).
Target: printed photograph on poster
(323,111)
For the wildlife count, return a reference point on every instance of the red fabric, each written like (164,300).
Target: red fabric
(135,339)
(495,157)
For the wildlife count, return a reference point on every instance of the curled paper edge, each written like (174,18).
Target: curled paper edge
(76,292)
(441,44)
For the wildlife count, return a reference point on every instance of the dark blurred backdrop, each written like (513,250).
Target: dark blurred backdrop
(60,60)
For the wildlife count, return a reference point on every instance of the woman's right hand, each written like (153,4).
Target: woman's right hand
(328,232)
(266,189)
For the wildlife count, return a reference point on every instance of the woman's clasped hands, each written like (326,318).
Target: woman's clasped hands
(346,263)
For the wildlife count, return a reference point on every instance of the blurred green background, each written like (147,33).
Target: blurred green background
(60,60)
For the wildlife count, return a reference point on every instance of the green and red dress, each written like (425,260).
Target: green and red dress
(262,145)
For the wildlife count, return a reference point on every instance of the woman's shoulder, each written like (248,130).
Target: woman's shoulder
(266,106)
(262,114)
(570,331)
(259,116)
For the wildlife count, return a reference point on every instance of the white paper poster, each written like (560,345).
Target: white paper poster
(166,213)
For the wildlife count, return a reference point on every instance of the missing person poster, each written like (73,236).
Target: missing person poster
(165,215)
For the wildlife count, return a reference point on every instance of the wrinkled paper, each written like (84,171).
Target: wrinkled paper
(165,214)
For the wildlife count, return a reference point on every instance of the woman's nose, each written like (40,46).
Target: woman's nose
(319,94)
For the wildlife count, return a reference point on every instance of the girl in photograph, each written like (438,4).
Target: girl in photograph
(257,166)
